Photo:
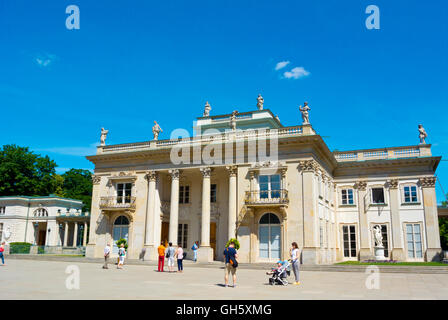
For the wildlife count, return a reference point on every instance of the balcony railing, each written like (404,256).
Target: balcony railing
(269,197)
(117,202)
(386,153)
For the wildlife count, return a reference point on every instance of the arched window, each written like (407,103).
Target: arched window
(121,231)
(41,212)
(269,237)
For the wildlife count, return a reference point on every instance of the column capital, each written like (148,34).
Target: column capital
(96,179)
(232,170)
(393,183)
(308,165)
(283,172)
(360,185)
(206,172)
(175,173)
(427,182)
(151,175)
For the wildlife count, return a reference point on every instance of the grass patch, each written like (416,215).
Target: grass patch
(427,264)
(66,255)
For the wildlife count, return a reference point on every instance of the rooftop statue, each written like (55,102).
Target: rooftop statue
(422,134)
(233,120)
(207,109)
(156,130)
(260,102)
(304,110)
(103,136)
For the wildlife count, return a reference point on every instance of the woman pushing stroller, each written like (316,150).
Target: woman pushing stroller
(280,273)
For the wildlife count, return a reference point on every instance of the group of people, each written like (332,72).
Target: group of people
(230,258)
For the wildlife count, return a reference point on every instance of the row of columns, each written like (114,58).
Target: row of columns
(75,234)
(174,205)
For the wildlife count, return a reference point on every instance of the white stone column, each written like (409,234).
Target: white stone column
(174,207)
(65,234)
(433,249)
(84,241)
(75,234)
(149,232)
(364,250)
(396,245)
(232,201)
(92,250)
(205,252)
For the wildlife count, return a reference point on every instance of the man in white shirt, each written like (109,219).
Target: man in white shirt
(106,256)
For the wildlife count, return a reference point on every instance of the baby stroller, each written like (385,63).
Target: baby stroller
(279,275)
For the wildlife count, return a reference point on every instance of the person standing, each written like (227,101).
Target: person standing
(180,258)
(195,250)
(161,251)
(121,255)
(2,251)
(230,256)
(170,252)
(294,252)
(106,256)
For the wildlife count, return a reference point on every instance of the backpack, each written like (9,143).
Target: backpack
(232,260)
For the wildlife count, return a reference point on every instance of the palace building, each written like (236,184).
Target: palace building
(246,176)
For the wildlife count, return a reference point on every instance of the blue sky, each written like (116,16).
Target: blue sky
(131,63)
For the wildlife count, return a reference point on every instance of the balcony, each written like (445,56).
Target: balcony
(117,203)
(266,198)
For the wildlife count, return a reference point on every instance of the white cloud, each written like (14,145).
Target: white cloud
(281,65)
(296,73)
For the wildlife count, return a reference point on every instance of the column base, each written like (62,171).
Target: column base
(398,254)
(151,253)
(433,254)
(365,254)
(310,256)
(205,254)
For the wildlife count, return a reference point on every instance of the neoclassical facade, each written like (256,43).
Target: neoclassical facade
(215,186)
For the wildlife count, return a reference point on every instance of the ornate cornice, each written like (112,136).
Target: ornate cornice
(308,165)
(151,175)
(360,185)
(96,179)
(206,172)
(393,183)
(232,170)
(175,174)
(427,182)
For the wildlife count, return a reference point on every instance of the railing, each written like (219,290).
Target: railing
(117,202)
(386,153)
(267,197)
(223,136)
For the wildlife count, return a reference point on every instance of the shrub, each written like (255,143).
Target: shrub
(19,247)
(237,243)
(120,241)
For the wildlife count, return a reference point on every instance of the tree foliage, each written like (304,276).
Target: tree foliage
(443,229)
(77,184)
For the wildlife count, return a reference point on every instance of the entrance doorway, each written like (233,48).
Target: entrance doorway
(165,233)
(121,231)
(42,236)
(269,237)
(213,238)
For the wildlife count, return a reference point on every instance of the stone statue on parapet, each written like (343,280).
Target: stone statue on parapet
(207,109)
(260,102)
(304,110)
(233,120)
(156,130)
(422,134)
(378,236)
(103,136)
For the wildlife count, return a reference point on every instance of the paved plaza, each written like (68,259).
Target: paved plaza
(30,279)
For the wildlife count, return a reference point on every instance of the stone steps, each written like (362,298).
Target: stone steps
(254,266)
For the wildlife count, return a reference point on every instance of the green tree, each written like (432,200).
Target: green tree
(443,229)
(23,172)
(77,184)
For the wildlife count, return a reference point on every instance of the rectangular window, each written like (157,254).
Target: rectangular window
(414,240)
(213,193)
(269,186)
(184,194)
(347,196)
(321,236)
(378,195)
(349,239)
(2,210)
(410,194)
(182,235)
(124,192)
